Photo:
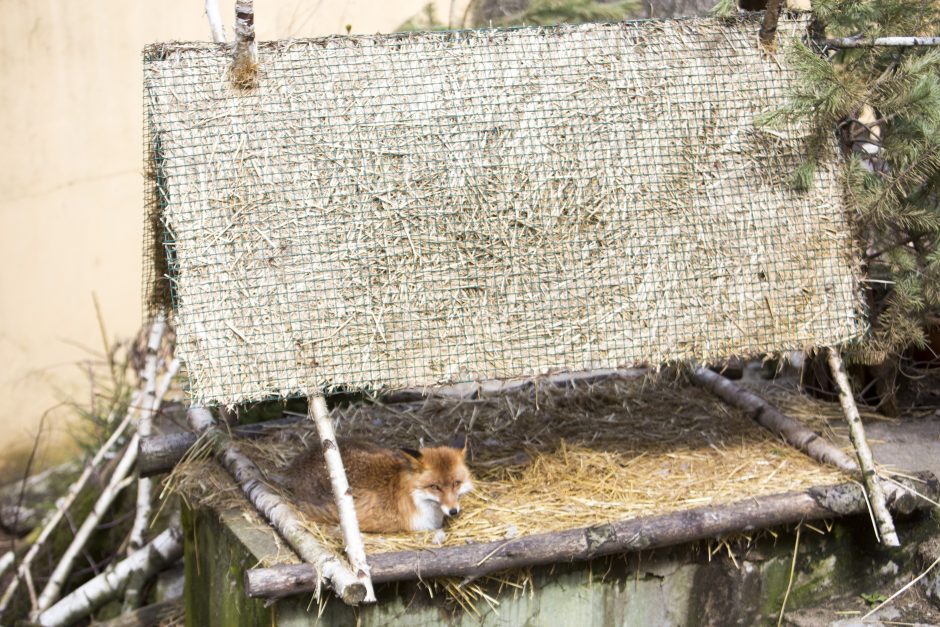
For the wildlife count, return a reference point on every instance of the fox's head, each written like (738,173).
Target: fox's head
(439,474)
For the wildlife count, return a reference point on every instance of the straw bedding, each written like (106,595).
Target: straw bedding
(386,211)
(553,458)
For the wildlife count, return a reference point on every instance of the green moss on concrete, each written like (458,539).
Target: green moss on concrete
(678,587)
(214,563)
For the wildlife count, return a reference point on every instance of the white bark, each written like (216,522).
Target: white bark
(277,511)
(889,42)
(767,416)
(145,429)
(165,549)
(873,486)
(348,522)
(245,66)
(64,567)
(245,27)
(55,517)
(215,21)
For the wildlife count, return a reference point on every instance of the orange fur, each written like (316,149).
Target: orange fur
(393,490)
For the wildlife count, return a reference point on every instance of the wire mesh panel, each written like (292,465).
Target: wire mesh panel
(415,209)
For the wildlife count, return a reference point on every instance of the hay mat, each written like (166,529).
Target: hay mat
(553,458)
(427,208)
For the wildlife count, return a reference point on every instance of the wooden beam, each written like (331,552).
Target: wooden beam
(649,532)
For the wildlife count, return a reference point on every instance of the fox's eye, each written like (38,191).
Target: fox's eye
(456,484)
(435,487)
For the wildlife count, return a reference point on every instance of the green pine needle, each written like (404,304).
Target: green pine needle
(724,9)
(802,178)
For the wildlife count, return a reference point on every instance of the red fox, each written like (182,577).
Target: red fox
(394,490)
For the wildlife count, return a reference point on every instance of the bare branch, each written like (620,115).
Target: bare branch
(165,549)
(348,522)
(876,493)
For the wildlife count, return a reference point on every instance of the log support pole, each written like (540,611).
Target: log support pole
(281,514)
(349,523)
(766,415)
(768,28)
(873,487)
(637,534)
(215,21)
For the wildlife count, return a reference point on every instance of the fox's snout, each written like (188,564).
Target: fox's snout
(450,510)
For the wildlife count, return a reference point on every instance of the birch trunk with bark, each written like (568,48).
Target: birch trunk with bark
(769,417)
(145,562)
(145,429)
(119,480)
(277,511)
(215,21)
(348,522)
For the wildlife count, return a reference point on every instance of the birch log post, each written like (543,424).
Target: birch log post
(769,417)
(145,429)
(165,549)
(876,493)
(63,568)
(279,513)
(245,65)
(768,27)
(348,522)
(215,21)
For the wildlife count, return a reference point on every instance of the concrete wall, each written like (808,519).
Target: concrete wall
(71,177)
(683,585)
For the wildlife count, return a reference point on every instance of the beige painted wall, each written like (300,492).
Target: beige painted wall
(71,177)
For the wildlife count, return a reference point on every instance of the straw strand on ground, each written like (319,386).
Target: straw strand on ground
(276,510)
(876,493)
(145,562)
(348,522)
(119,480)
(215,21)
(538,455)
(767,416)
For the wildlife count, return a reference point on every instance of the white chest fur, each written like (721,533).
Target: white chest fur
(429,515)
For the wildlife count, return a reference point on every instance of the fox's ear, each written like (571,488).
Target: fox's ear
(413,456)
(459,442)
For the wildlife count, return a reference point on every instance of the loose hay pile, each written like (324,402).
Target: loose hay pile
(553,458)
(421,208)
